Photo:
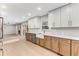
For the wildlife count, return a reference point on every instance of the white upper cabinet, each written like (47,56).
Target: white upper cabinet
(44,20)
(75,14)
(37,22)
(34,22)
(51,20)
(55,18)
(56,14)
(30,23)
(65,16)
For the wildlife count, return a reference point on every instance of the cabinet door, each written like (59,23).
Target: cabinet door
(48,42)
(44,20)
(56,14)
(75,14)
(42,42)
(27,36)
(65,15)
(36,23)
(51,20)
(55,44)
(75,48)
(37,41)
(64,47)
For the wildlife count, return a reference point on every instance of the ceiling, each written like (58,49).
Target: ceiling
(14,13)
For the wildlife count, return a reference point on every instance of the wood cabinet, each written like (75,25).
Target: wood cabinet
(61,46)
(55,44)
(64,46)
(28,36)
(47,42)
(38,41)
(75,48)
(31,37)
(42,42)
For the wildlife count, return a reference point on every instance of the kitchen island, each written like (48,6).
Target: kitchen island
(61,44)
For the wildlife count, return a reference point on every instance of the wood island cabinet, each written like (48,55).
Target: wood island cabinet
(55,44)
(42,42)
(28,36)
(31,37)
(61,45)
(38,41)
(64,46)
(47,42)
(75,48)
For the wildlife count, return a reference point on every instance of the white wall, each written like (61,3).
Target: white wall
(9,29)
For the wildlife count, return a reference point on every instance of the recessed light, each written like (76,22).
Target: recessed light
(39,8)
(4,7)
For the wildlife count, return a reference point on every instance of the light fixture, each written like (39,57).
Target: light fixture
(39,9)
(4,7)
